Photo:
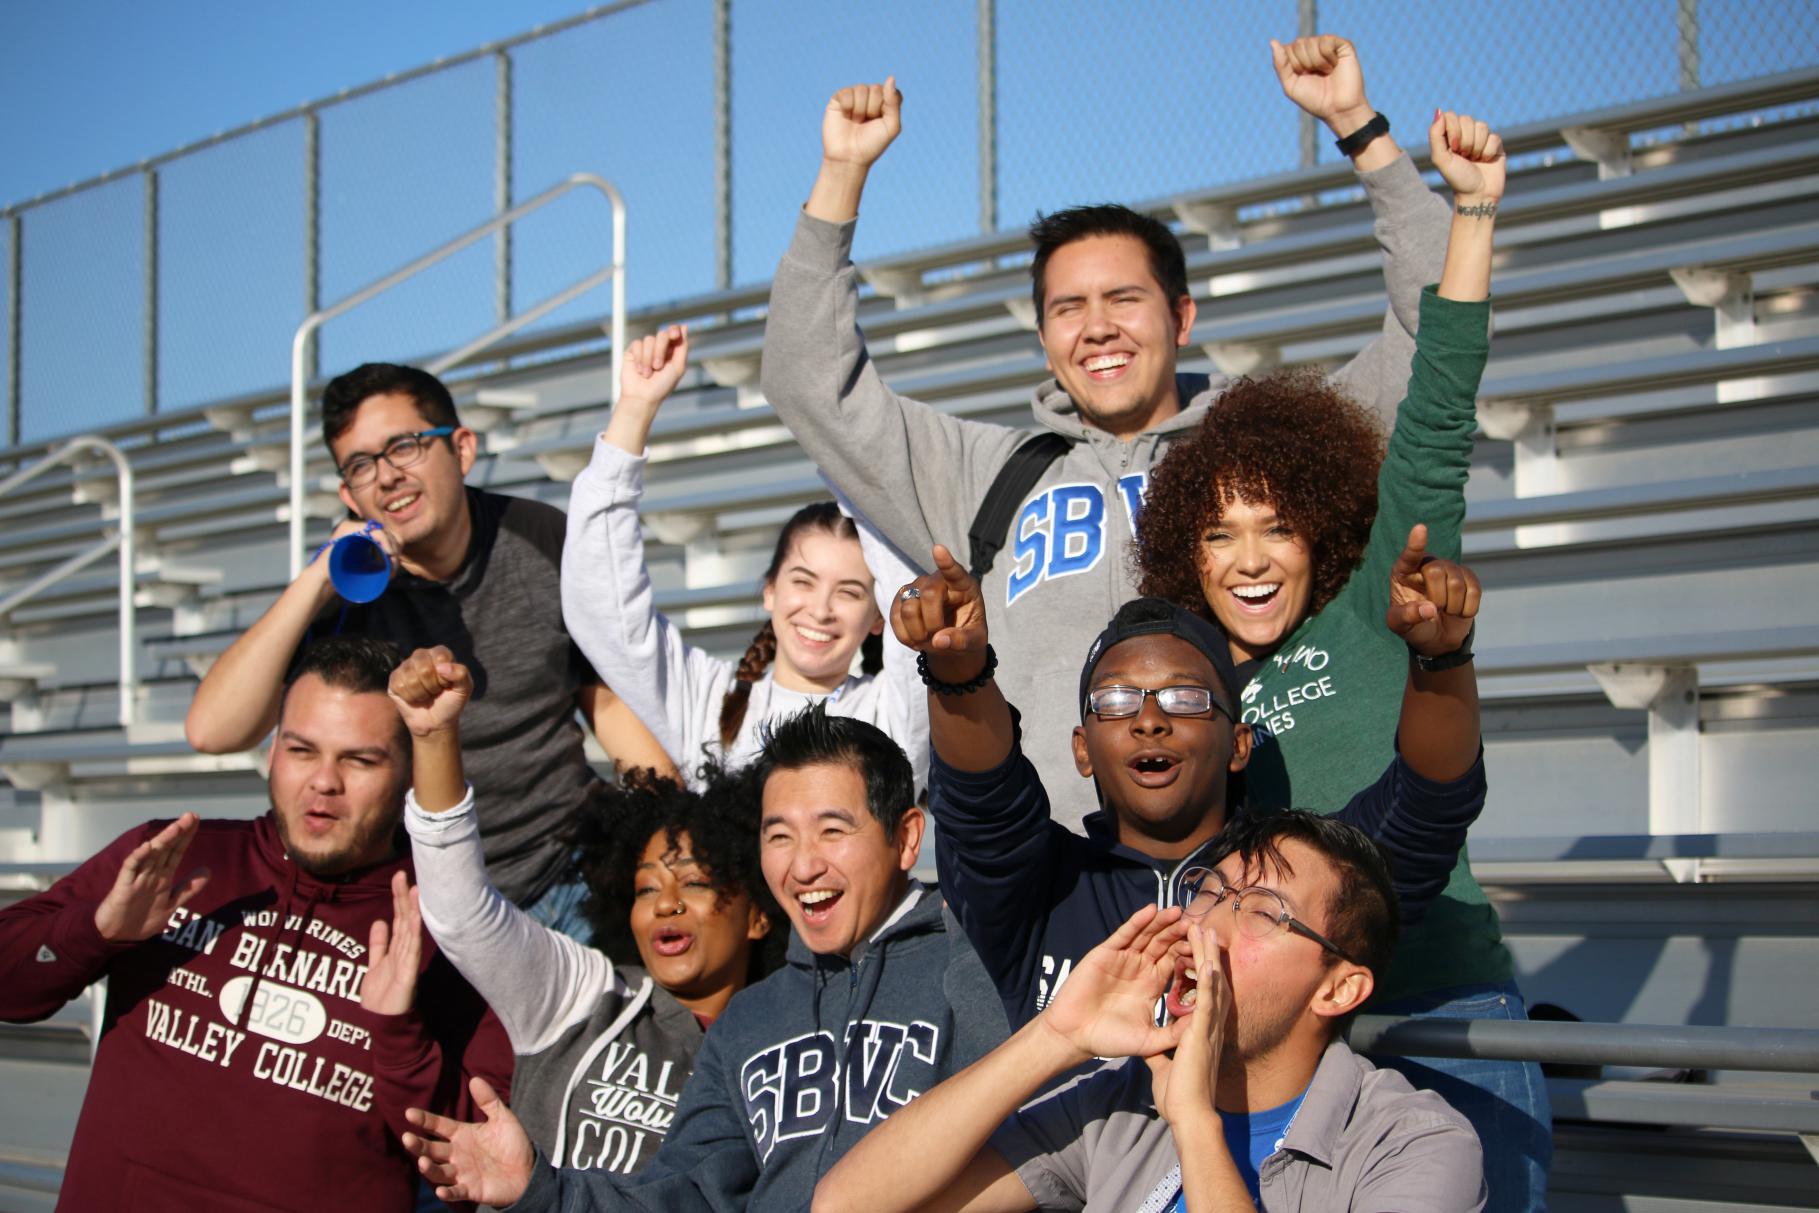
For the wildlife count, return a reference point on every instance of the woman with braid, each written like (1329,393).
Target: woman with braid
(820,592)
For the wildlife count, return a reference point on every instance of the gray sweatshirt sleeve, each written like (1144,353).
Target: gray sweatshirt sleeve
(607,604)
(1411,229)
(538,981)
(917,473)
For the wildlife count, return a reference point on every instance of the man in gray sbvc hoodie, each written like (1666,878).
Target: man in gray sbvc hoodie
(882,998)
(1113,309)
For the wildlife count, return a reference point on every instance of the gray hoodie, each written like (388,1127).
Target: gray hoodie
(801,1066)
(920,474)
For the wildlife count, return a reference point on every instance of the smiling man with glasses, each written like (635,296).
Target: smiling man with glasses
(475,571)
(1159,738)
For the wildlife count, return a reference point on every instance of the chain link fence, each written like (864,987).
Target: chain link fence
(180,281)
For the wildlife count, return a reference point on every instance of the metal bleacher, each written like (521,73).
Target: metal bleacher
(1642,510)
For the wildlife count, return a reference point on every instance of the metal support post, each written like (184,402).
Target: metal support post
(312,233)
(1307,23)
(1686,22)
(150,177)
(15,330)
(723,146)
(1670,695)
(988,115)
(502,184)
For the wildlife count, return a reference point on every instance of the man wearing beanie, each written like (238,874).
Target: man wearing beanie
(1159,738)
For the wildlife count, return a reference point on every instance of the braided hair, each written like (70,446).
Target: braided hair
(820,516)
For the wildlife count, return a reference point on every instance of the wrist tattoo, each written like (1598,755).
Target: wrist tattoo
(1477,210)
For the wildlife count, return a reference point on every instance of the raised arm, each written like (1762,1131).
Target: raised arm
(538,981)
(1323,75)
(817,371)
(941,615)
(237,703)
(933,1154)
(1433,604)
(1470,157)
(607,598)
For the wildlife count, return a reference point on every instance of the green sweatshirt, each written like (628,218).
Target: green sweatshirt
(1325,706)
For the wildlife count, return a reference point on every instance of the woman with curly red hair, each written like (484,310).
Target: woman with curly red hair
(1280,519)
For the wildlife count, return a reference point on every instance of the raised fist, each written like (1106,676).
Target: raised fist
(430,689)
(860,123)
(942,614)
(1469,156)
(1321,75)
(653,366)
(1432,601)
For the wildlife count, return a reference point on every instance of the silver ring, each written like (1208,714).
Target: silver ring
(909,592)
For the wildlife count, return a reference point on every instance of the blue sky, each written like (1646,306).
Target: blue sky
(92,85)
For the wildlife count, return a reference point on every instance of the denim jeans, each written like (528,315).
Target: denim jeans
(1506,1101)
(560,910)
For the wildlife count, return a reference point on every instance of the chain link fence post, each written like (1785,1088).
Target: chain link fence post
(723,144)
(1686,21)
(312,235)
(1307,24)
(502,183)
(988,115)
(150,369)
(15,299)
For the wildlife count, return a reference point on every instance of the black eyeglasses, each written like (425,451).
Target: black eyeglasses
(1114,703)
(1258,912)
(401,452)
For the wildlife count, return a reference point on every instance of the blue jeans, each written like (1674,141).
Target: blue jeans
(560,910)
(1506,1101)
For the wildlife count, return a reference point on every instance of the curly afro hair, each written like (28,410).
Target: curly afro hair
(1293,441)
(721,821)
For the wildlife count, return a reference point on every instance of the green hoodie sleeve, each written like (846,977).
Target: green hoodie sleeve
(1430,448)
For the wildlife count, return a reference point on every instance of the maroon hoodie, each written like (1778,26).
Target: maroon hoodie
(191,1107)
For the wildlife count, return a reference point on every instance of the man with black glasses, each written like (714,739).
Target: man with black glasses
(1160,738)
(475,571)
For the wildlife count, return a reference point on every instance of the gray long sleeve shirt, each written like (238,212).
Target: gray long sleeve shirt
(920,474)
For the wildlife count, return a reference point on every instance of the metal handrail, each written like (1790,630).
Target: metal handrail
(300,342)
(1788,1050)
(121,541)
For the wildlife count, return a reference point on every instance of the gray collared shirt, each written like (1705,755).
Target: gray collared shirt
(1364,1140)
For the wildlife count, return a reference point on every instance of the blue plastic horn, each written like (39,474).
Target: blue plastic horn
(358,565)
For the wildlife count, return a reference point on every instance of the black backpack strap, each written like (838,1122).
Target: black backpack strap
(992,524)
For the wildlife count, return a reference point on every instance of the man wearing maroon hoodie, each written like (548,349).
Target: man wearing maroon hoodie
(260,1045)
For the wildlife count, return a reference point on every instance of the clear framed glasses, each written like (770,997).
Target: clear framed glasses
(1258,912)
(1116,702)
(401,452)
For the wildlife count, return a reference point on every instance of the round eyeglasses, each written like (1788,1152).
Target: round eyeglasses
(401,452)
(1117,702)
(1257,911)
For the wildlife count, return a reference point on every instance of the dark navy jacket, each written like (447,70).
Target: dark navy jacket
(1034,897)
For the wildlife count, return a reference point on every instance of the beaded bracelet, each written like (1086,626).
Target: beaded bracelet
(957,688)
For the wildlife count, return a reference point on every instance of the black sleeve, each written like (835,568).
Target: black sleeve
(1422,824)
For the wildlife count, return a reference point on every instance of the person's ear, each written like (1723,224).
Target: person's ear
(1242,737)
(909,837)
(467,448)
(770,596)
(1347,987)
(757,923)
(1083,761)
(347,499)
(1048,359)
(877,628)
(1185,311)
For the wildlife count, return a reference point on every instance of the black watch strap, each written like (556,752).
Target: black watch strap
(1447,661)
(1362,138)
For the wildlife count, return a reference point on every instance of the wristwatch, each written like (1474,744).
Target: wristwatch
(1447,661)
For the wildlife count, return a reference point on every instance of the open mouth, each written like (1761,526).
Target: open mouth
(1256,599)
(814,637)
(818,905)
(1154,769)
(317,821)
(1184,991)
(402,505)
(670,941)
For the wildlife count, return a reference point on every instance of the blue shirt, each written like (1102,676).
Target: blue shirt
(1252,1137)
